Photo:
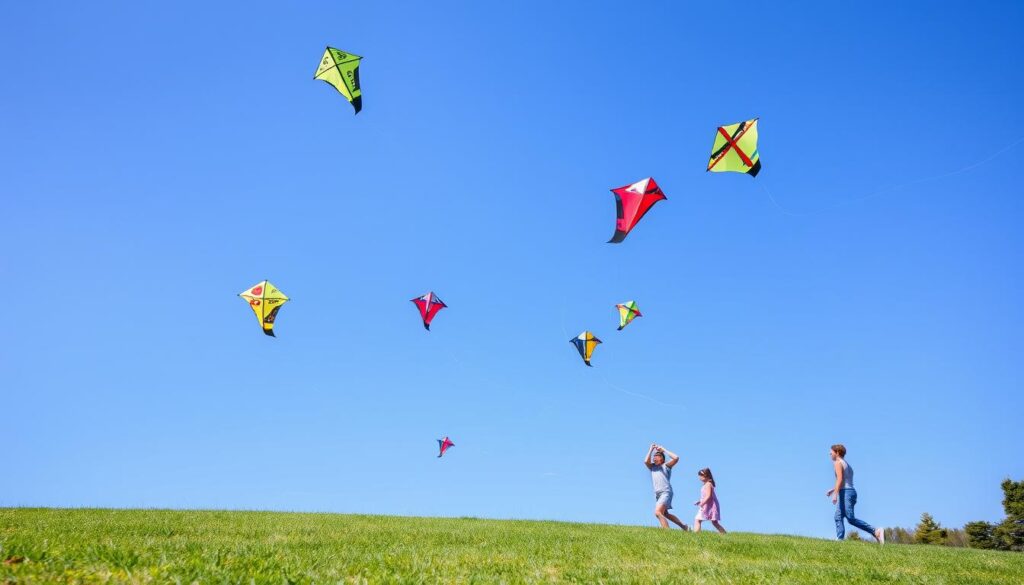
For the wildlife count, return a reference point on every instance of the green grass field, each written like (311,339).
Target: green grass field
(158,546)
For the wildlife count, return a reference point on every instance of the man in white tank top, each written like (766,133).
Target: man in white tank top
(845,497)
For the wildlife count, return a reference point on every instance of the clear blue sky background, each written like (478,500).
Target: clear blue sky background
(158,158)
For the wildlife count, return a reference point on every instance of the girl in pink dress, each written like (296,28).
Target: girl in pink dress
(708,503)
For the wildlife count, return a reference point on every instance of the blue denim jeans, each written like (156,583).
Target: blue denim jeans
(844,509)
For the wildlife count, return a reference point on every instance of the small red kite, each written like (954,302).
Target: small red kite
(428,305)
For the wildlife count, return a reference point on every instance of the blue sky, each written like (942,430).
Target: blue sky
(158,158)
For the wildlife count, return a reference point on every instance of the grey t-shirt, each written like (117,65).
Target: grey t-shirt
(660,476)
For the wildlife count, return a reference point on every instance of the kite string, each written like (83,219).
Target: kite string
(606,381)
(779,207)
(895,187)
(644,396)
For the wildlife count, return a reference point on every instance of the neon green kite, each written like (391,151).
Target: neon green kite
(341,70)
(735,149)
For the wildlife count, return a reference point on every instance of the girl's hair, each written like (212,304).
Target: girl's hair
(659,452)
(706,472)
(839,449)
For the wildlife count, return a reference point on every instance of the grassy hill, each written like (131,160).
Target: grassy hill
(159,546)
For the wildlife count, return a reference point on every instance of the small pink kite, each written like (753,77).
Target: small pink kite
(444,444)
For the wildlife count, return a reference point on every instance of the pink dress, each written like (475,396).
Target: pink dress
(709,510)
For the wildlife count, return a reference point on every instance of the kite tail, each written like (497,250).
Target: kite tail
(358,104)
(426,326)
(269,332)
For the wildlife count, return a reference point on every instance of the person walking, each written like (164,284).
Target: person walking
(844,496)
(707,505)
(661,475)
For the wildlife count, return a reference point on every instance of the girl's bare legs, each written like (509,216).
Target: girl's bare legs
(696,525)
(718,526)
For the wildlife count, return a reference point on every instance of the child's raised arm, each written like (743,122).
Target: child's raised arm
(673,458)
(650,451)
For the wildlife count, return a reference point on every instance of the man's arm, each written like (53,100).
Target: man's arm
(834,492)
(673,458)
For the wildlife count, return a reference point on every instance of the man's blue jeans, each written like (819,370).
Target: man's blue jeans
(844,509)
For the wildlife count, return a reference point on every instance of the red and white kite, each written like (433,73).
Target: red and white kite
(631,203)
(428,305)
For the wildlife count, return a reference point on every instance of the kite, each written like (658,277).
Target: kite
(266,300)
(631,203)
(627,312)
(585,343)
(341,70)
(428,305)
(444,444)
(735,149)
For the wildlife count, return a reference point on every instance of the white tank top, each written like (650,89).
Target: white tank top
(847,475)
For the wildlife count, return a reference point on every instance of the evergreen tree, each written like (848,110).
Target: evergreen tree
(1010,533)
(929,531)
(1013,499)
(980,535)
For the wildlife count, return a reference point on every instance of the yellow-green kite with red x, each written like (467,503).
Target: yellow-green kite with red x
(735,149)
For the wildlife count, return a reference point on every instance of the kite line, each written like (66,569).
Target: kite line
(631,393)
(885,190)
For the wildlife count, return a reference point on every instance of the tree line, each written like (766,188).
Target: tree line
(1005,535)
